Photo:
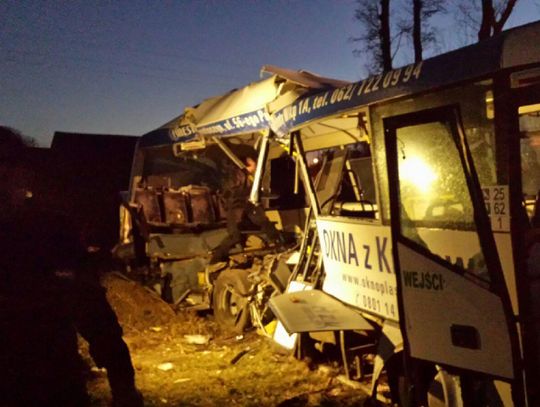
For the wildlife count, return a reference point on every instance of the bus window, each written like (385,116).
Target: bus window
(476,107)
(433,191)
(478,114)
(529,127)
(345,185)
(329,179)
(435,206)
(362,170)
(202,169)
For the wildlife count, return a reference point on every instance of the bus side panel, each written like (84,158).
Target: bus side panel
(358,265)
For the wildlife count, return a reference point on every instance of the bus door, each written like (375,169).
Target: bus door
(454,313)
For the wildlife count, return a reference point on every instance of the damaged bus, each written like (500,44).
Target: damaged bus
(421,262)
(175,215)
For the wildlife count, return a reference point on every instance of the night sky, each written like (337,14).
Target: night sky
(126,67)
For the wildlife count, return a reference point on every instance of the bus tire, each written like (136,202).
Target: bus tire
(230,300)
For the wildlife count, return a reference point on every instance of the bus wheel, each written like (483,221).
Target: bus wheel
(230,300)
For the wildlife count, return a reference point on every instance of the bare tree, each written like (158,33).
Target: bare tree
(417,29)
(487,17)
(494,18)
(375,41)
(386,41)
(423,34)
(383,33)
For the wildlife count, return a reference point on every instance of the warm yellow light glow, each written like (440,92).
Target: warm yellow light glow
(417,172)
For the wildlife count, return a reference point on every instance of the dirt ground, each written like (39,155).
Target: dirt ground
(183,360)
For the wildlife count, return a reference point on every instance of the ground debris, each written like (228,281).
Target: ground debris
(182,380)
(197,339)
(203,375)
(239,356)
(165,366)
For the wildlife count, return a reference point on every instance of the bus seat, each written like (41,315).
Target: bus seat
(201,204)
(149,201)
(219,205)
(175,204)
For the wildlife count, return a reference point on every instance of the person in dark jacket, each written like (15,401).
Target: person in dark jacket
(48,294)
(241,213)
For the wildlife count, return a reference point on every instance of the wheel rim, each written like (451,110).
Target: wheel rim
(233,303)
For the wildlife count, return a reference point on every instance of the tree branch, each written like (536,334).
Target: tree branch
(498,25)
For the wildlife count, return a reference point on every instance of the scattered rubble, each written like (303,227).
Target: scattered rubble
(165,366)
(182,360)
(197,339)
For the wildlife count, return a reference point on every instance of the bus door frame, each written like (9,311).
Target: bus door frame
(487,243)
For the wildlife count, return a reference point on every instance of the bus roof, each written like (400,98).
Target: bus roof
(239,111)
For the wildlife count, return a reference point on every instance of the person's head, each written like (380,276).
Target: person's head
(15,174)
(251,165)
